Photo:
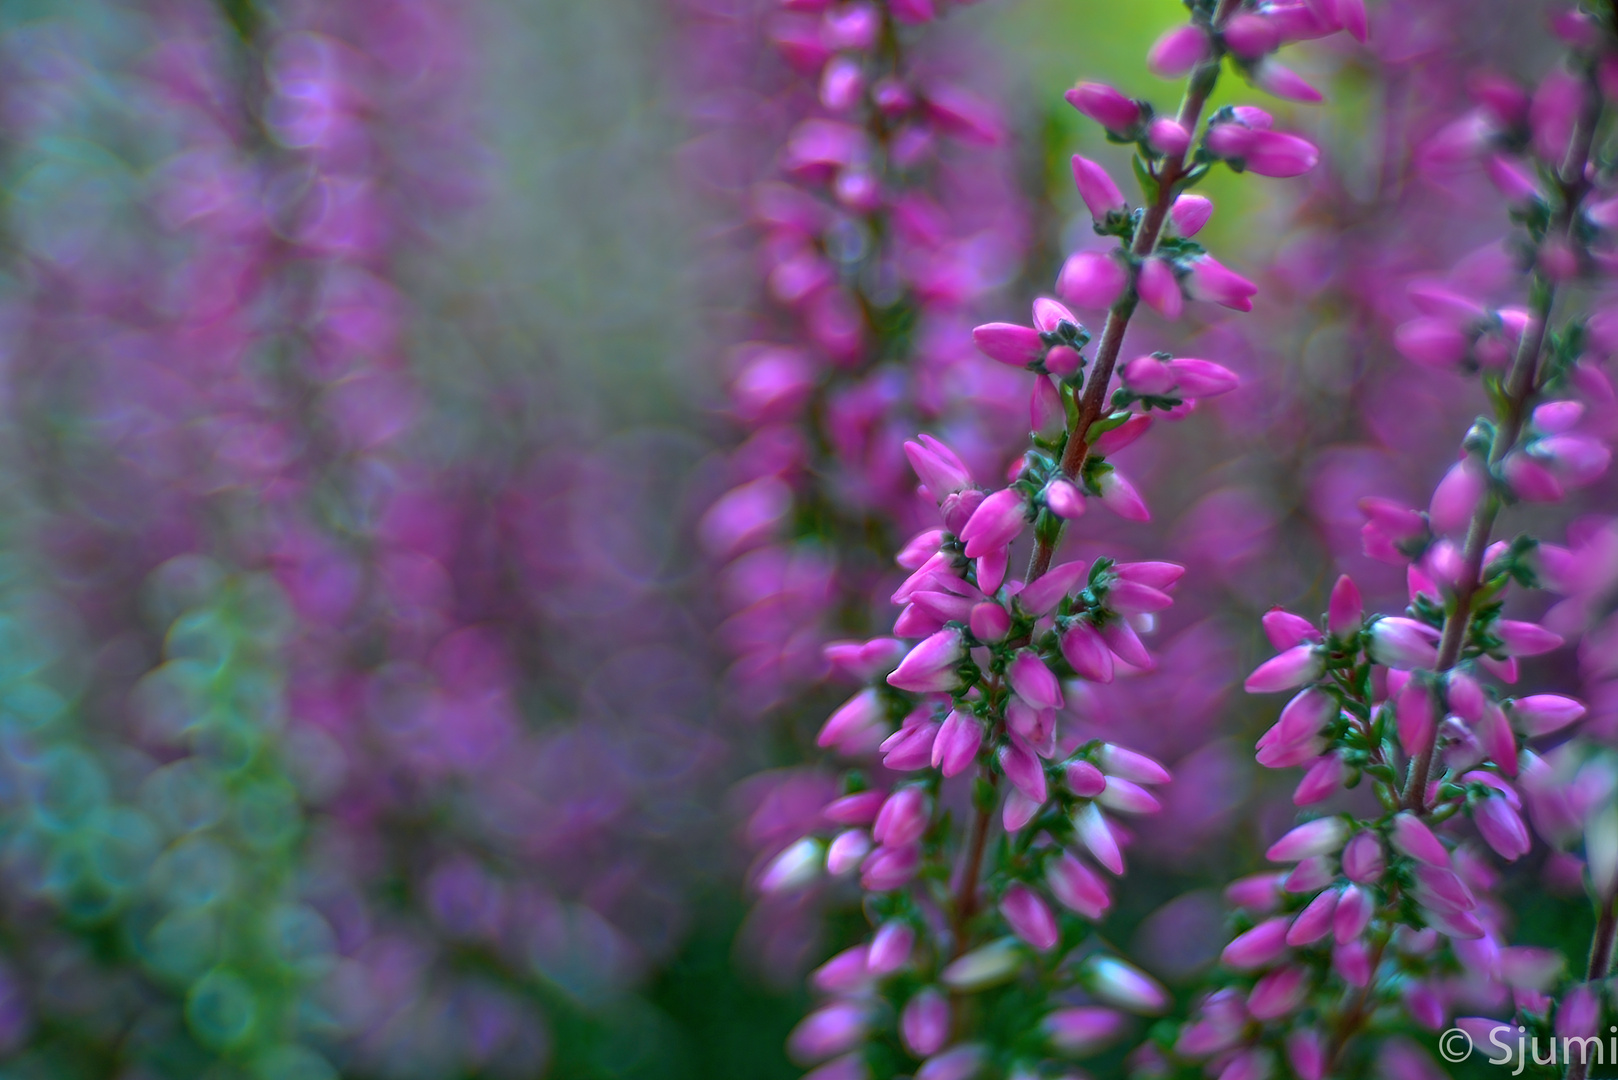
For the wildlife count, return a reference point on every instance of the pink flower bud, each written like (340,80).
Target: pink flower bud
(1023,768)
(1120,496)
(1402,643)
(857,727)
(1050,315)
(1077,887)
(1363,861)
(1306,1048)
(1285,83)
(958,1063)
(1033,681)
(1258,947)
(793,868)
(1296,736)
(1346,610)
(924,1024)
(1160,289)
(1432,342)
(1177,51)
(1126,797)
(1353,914)
(1315,920)
(1502,828)
(1084,779)
(1190,213)
(1441,891)
(1133,598)
(1319,837)
(1082,1029)
(1286,630)
(1323,780)
(1043,594)
(1352,962)
(1278,993)
(1009,343)
(1148,375)
(1457,496)
(843,973)
(1273,153)
(1018,811)
(1411,836)
(939,468)
(1541,714)
(1202,378)
(860,808)
(963,115)
(1310,875)
(1106,106)
(995,523)
(1047,416)
(903,818)
(1124,985)
(1084,648)
(989,622)
(1065,499)
(1029,917)
(1496,739)
(1092,280)
(1096,835)
(1413,709)
(1212,282)
(930,666)
(1125,644)
(1117,761)
(1577,459)
(991,567)
(1063,361)
(1525,638)
(1036,727)
(891,946)
(957,743)
(1251,36)
(1531,480)
(920,548)
(1514,182)
(1167,137)
(1256,893)
(1297,666)
(1556,417)
(840,84)
(828,1031)
(909,748)
(1579,1013)
(1123,435)
(846,851)
(1096,188)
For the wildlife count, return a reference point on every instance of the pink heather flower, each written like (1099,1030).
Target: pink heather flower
(847,850)
(989,621)
(1190,213)
(1018,811)
(857,726)
(1496,739)
(1579,1012)
(1029,917)
(1442,891)
(1296,667)
(1124,985)
(891,946)
(1577,459)
(1043,594)
(1315,920)
(930,666)
(1084,779)
(1457,496)
(1096,835)
(1501,827)
(1346,610)
(1297,736)
(1167,137)
(1105,105)
(920,548)
(1278,993)
(1159,575)
(1082,1029)
(1353,914)
(1323,780)
(992,567)
(860,808)
(1096,188)
(904,817)
(1306,1047)
(1465,696)
(984,966)
(1132,598)
(1411,836)
(1413,710)
(1212,282)
(939,468)
(1148,375)
(1160,289)
(1065,499)
(1092,279)
(958,1063)
(1177,51)
(1541,714)
(1402,643)
(1389,526)
(1046,414)
(1049,315)
(1258,947)
(1033,681)
(1556,417)
(1084,648)
(1256,893)
(1283,82)
(841,83)
(909,748)
(995,523)
(828,1031)
(1120,496)
(793,868)
(1063,361)
(1127,797)
(1129,765)
(1125,644)
(1202,378)
(1531,480)
(1009,343)
(1514,181)
(1319,837)
(1525,638)
(1276,154)
(1123,435)
(1251,36)
(964,115)
(1023,768)
(1036,727)
(924,1023)
(1310,875)
(1077,887)
(842,973)
(957,743)
(1286,630)
(1352,962)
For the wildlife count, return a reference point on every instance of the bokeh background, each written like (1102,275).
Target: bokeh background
(367,706)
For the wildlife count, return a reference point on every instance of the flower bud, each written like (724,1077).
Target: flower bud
(1124,985)
(1212,282)
(1190,213)
(1319,837)
(956,1063)
(793,868)
(1258,947)
(1029,917)
(890,948)
(1363,860)
(1092,279)
(1353,914)
(1096,188)
(847,850)
(1064,499)
(1033,681)
(1402,643)
(957,743)
(828,1031)
(1411,836)
(1106,106)
(1315,920)
(1160,289)
(938,467)
(988,965)
(1096,835)
(1082,1029)
(1167,137)
(995,523)
(1278,993)
(1296,667)
(1077,887)
(1177,51)
(1283,82)
(924,1023)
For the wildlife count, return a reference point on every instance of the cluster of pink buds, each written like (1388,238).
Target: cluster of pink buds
(883,215)
(1396,913)
(979,819)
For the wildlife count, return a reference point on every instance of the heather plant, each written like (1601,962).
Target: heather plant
(970,966)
